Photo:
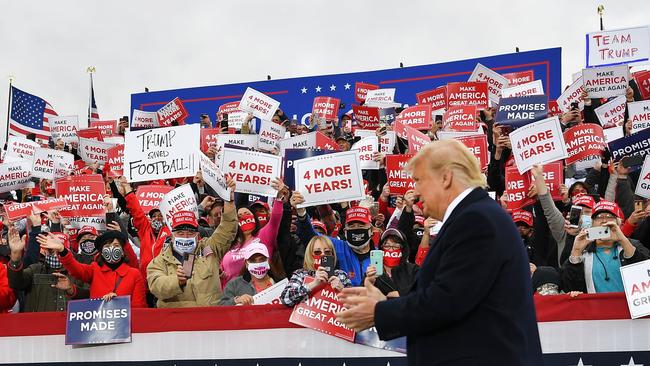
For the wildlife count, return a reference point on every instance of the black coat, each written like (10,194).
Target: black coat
(472,300)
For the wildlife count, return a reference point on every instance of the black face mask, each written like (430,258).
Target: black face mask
(88,247)
(5,251)
(419,233)
(357,238)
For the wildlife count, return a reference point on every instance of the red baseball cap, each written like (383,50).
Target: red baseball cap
(584,200)
(419,219)
(261,203)
(86,229)
(607,206)
(319,224)
(359,214)
(184,220)
(63,237)
(522,216)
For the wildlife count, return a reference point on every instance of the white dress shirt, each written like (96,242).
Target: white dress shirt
(455,203)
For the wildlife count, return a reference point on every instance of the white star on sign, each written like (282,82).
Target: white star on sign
(318,88)
(580,363)
(332,87)
(303,90)
(347,86)
(632,363)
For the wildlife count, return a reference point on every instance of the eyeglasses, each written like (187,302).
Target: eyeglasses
(605,217)
(319,252)
(391,246)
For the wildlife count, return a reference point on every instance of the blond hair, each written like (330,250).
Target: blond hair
(309,257)
(450,154)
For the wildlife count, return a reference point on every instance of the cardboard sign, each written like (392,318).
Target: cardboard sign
(93,151)
(612,134)
(228,108)
(362,89)
(634,144)
(382,98)
(478,145)
(270,135)
(639,114)
(386,142)
(247,141)
(172,111)
(326,107)
(52,164)
(317,312)
(236,120)
(521,111)
(447,135)
(636,281)
(399,180)
(178,199)
(94,321)
(213,177)
(149,196)
(304,141)
(553,177)
(21,147)
(325,143)
(605,82)
(270,295)
(460,118)
(387,115)
(416,139)
(91,134)
(367,117)
(495,81)
(115,163)
(437,98)
(84,193)
(17,211)
(252,171)
(643,184)
(643,82)
(15,175)
(521,77)
(612,113)
(329,178)
(161,153)
(582,141)
(418,117)
(538,143)
(144,119)
(553,108)
(290,156)
(471,93)
(107,128)
(208,138)
(523,90)
(618,46)
(367,147)
(517,186)
(571,95)
(261,105)
(64,128)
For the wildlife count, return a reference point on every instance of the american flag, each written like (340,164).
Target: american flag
(29,114)
(93,114)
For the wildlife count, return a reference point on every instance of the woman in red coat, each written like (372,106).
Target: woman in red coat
(108,275)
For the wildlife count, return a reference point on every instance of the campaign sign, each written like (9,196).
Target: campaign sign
(178,199)
(639,114)
(172,111)
(571,95)
(367,117)
(325,143)
(643,82)
(252,171)
(91,134)
(495,81)
(584,140)
(387,115)
(386,142)
(95,321)
(470,93)
(227,108)
(326,107)
(52,164)
(23,209)
(64,128)
(553,108)
(478,145)
(636,281)
(437,98)
(362,89)
(247,141)
(317,312)
(161,153)
(634,144)
(261,105)
(369,337)
(291,155)
(367,147)
(520,111)
(460,118)
(605,82)
(144,119)
(213,177)
(270,295)
(208,138)
(553,177)
(304,141)
(329,178)
(538,143)
(94,151)
(618,46)
(612,113)
(149,196)
(107,128)
(522,90)
(115,163)
(418,117)
(643,185)
(416,139)
(270,135)
(21,147)
(236,120)
(382,98)
(15,175)
(521,77)
(517,186)
(399,180)
(84,194)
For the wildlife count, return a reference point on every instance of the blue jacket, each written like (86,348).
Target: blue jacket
(346,259)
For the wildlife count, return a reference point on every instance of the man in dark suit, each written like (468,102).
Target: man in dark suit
(472,301)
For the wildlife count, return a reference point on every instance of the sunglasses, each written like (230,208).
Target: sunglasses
(319,252)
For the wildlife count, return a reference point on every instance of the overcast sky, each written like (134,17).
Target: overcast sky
(47,45)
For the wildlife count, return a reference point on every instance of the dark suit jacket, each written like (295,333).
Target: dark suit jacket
(472,300)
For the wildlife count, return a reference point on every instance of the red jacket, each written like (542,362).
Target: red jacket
(103,280)
(7,296)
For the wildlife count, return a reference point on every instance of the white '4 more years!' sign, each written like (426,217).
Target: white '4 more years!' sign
(636,280)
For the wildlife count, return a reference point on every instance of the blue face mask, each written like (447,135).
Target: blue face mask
(586,221)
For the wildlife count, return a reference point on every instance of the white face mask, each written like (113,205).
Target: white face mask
(258,270)
(184,245)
